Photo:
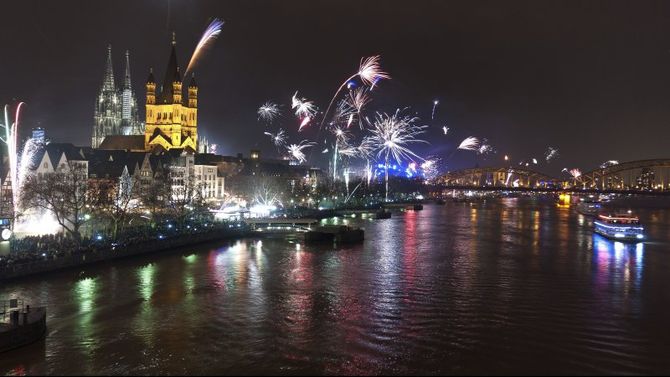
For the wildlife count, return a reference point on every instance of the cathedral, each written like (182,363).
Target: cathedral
(115,109)
(171,120)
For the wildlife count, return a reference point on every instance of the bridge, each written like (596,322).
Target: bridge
(509,177)
(643,176)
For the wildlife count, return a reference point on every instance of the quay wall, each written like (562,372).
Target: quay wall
(145,247)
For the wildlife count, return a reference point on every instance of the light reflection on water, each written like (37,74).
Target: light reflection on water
(495,287)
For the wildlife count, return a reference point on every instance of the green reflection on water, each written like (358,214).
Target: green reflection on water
(85,293)
(146,276)
(145,322)
(191,258)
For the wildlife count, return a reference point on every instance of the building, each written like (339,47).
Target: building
(130,121)
(39,135)
(171,119)
(115,109)
(646,179)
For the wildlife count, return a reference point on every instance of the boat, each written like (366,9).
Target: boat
(382,214)
(337,233)
(620,227)
(20,324)
(589,206)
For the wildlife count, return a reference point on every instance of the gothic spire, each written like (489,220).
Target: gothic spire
(126,78)
(108,83)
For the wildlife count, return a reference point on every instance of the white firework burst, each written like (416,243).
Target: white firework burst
(469,144)
(278,138)
(391,134)
(296,150)
(485,148)
(370,71)
(302,107)
(551,154)
(268,112)
(609,163)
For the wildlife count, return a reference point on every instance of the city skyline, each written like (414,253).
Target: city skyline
(567,86)
(322,187)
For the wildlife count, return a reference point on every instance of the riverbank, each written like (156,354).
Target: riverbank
(140,248)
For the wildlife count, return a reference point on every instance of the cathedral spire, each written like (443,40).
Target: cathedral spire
(126,78)
(108,83)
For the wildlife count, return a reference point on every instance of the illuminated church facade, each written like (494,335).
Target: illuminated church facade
(115,108)
(171,119)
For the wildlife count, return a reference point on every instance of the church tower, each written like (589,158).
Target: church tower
(107,115)
(130,122)
(171,121)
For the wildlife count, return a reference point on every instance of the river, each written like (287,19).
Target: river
(505,286)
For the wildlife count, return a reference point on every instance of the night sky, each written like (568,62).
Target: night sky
(590,78)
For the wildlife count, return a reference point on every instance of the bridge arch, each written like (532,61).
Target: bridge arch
(640,175)
(645,175)
(498,177)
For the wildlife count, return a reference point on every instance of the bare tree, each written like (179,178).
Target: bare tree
(155,196)
(186,196)
(267,191)
(65,193)
(116,198)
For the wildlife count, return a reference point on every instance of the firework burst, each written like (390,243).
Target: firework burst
(278,139)
(609,163)
(208,37)
(268,112)
(302,107)
(575,173)
(358,98)
(469,144)
(430,168)
(296,150)
(344,112)
(369,71)
(551,154)
(391,135)
(485,148)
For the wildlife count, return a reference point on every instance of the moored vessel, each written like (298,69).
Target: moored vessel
(589,206)
(620,227)
(20,324)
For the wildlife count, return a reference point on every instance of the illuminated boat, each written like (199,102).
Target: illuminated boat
(589,206)
(621,227)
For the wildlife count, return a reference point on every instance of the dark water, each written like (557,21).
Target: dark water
(502,287)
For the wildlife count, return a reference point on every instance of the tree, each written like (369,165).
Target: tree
(66,193)
(186,195)
(155,196)
(116,198)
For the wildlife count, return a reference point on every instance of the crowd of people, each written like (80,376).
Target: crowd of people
(32,249)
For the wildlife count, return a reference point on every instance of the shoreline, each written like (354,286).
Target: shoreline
(104,255)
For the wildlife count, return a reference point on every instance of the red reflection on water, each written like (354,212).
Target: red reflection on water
(409,249)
